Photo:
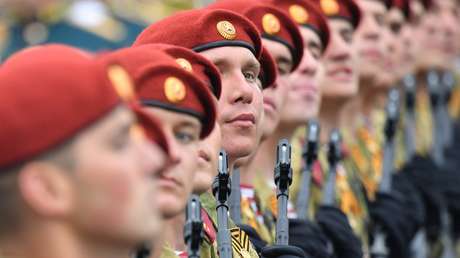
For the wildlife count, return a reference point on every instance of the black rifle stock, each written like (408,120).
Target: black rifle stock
(409,83)
(221,190)
(379,248)
(283,179)
(234,201)
(309,155)
(334,156)
(434,88)
(193,229)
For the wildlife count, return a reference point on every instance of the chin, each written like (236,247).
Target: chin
(239,147)
(171,207)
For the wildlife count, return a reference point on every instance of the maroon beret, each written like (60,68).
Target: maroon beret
(272,23)
(306,14)
(404,6)
(195,63)
(49,94)
(203,29)
(161,82)
(347,9)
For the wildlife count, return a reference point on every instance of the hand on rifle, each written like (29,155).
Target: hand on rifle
(336,227)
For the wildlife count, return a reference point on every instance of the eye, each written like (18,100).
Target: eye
(379,19)
(395,27)
(347,36)
(119,143)
(185,137)
(250,76)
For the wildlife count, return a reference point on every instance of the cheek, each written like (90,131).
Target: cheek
(111,195)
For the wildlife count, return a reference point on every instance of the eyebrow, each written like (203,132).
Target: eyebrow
(283,60)
(313,44)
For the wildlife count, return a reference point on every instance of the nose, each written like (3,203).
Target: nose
(340,50)
(372,31)
(308,65)
(241,90)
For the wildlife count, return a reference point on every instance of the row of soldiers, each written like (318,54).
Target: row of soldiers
(247,128)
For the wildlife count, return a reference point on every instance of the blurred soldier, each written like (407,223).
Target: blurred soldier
(185,105)
(85,183)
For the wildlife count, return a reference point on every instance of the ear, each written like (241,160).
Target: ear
(46,189)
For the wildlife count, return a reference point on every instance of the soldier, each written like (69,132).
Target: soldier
(231,47)
(187,109)
(281,37)
(84,183)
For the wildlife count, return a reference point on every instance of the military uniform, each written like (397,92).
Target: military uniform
(241,245)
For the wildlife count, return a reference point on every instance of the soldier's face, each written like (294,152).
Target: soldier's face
(115,191)
(340,62)
(175,183)
(408,47)
(430,35)
(275,97)
(393,63)
(448,19)
(303,96)
(240,107)
(369,38)
(208,151)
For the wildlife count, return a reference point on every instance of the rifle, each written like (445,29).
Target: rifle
(448,83)
(235,197)
(193,228)
(283,179)
(221,190)
(379,248)
(409,84)
(437,151)
(309,155)
(334,156)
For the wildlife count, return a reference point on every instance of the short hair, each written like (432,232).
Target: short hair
(11,203)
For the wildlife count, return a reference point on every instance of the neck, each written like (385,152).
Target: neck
(330,115)
(174,232)
(57,241)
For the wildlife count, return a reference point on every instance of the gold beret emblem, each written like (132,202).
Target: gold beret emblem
(330,7)
(271,24)
(226,30)
(121,82)
(298,13)
(185,64)
(174,89)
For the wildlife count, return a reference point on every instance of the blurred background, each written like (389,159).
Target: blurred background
(94,25)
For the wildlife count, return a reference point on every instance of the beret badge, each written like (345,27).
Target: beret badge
(330,7)
(174,89)
(185,64)
(226,30)
(298,13)
(271,24)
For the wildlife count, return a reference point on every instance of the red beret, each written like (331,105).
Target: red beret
(307,15)
(49,94)
(272,23)
(161,82)
(203,29)
(347,9)
(404,6)
(200,66)
(268,72)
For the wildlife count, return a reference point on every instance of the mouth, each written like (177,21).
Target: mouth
(372,54)
(269,103)
(343,73)
(168,182)
(245,120)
